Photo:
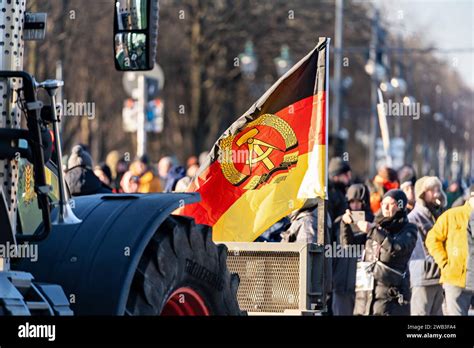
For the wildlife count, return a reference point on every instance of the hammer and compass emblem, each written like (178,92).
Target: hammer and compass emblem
(266,160)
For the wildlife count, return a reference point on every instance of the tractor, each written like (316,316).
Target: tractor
(104,254)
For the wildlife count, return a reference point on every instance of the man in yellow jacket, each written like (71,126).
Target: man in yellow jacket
(451,243)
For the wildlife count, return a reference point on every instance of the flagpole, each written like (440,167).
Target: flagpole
(322,216)
(322,204)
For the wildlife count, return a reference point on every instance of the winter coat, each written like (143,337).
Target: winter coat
(175,174)
(423,269)
(337,203)
(344,268)
(273,233)
(388,248)
(459,202)
(448,242)
(304,229)
(82,181)
(453,196)
(148,183)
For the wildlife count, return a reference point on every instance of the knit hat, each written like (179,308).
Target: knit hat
(399,196)
(426,183)
(79,157)
(338,166)
(357,192)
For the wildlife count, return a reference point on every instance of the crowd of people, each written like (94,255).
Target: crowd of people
(417,234)
(117,175)
(417,242)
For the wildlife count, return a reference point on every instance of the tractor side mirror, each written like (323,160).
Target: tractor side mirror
(135,34)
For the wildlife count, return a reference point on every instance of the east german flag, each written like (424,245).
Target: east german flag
(272,159)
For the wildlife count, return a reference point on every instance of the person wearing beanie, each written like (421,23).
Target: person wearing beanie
(338,166)
(79,176)
(427,293)
(429,189)
(79,158)
(451,242)
(390,242)
(344,272)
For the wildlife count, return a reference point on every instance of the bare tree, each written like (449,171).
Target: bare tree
(198,47)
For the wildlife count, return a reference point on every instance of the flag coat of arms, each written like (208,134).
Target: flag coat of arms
(272,159)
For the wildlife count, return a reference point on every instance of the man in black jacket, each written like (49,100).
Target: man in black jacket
(390,242)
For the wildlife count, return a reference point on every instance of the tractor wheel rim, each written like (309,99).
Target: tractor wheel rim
(185,302)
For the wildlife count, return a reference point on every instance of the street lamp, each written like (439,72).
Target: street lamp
(248,61)
(283,63)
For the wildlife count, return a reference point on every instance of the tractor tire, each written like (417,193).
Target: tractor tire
(182,272)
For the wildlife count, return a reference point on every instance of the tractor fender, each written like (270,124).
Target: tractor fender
(95,261)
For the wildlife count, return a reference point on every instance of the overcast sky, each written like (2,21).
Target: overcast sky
(444,23)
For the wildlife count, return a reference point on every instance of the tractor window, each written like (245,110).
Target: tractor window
(29,214)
